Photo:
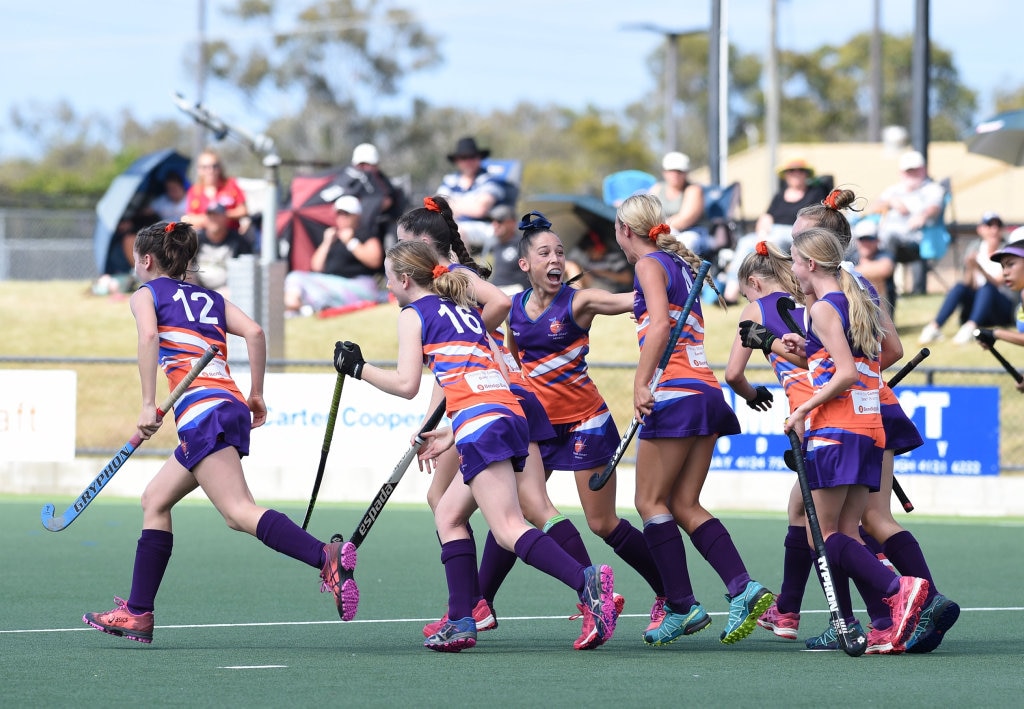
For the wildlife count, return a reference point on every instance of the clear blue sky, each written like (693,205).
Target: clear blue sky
(109,55)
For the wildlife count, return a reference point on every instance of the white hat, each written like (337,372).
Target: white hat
(866,229)
(675,161)
(365,153)
(911,161)
(348,203)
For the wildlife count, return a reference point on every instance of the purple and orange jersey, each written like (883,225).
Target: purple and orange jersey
(794,379)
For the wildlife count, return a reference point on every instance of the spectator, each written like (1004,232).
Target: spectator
(344,266)
(120,271)
(382,202)
(682,201)
(472,193)
(875,263)
(171,204)
(212,185)
(506,273)
(218,243)
(907,208)
(776,224)
(591,264)
(980,296)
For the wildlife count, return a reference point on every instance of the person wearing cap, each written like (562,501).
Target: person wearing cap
(875,263)
(980,296)
(218,243)
(907,207)
(682,201)
(472,192)
(506,273)
(382,201)
(344,266)
(1011,258)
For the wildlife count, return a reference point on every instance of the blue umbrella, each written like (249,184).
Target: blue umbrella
(1000,137)
(129,193)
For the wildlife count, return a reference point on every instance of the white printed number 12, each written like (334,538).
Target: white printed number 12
(207,306)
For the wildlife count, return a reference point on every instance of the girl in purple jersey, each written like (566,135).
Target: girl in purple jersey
(440,325)
(682,420)
(177,321)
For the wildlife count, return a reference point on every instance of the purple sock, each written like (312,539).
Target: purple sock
(878,611)
(495,565)
(869,541)
(854,559)
(278,532)
(797,561)
(713,542)
(905,554)
(459,559)
(476,577)
(568,537)
(665,542)
(840,581)
(629,544)
(151,556)
(543,553)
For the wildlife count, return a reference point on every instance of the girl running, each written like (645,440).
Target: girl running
(681,423)
(177,322)
(440,324)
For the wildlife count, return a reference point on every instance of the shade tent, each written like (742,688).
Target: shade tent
(129,193)
(310,210)
(1000,137)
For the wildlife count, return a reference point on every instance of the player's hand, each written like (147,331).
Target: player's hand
(149,422)
(762,400)
(985,336)
(756,336)
(435,443)
(348,359)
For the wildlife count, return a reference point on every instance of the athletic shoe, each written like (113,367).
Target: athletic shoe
(588,634)
(965,334)
(744,610)
(936,618)
(674,625)
(339,564)
(122,622)
(784,625)
(906,608)
(880,642)
(598,608)
(657,613)
(453,636)
(929,334)
(482,614)
(829,640)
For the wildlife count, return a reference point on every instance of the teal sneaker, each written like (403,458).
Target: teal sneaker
(453,636)
(936,618)
(744,610)
(674,625)
(829,640)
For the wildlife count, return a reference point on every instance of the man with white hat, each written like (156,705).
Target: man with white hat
(907,207)
(382,202)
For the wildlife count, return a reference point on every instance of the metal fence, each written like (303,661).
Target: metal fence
(44,245)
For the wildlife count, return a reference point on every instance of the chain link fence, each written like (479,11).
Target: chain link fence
(43,245)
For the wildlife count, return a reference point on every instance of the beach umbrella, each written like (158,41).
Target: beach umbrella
(1000,137)
(309,212)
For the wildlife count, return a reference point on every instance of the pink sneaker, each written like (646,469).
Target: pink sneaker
(339,565)
(657,613)
(784,625)
(880,642)
(122,622)
(482,614)
(906,606)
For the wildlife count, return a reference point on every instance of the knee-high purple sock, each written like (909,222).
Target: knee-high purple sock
(629,544)
(495,565)
(713,542)
(665,542)
(568,537)
(878,611)
(459,559)
(543,553)
(870,542)
(797,560)
(151,556)
(906,555)
(278,532)
(840,585)
(860,564)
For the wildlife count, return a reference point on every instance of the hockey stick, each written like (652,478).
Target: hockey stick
(599,480)
(852,642)
(1011,370)
(785,306)
(326,448)
(906,369)
(56,524)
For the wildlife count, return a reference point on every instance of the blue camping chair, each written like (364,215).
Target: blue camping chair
(619,185)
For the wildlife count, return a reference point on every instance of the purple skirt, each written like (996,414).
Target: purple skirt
(226,424)
(836,457)
(690,409)
(901,435)
(581,445)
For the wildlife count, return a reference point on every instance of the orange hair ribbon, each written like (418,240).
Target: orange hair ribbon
(170,227)
(761,248)
(431,205)
(439,270)
(657,231)
(830,200)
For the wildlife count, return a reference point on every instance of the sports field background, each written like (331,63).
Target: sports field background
(238,625)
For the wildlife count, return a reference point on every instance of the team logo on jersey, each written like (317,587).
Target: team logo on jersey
(578,446)
(555,326)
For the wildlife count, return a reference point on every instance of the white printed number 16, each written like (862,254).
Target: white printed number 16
(207,305)
(465,315)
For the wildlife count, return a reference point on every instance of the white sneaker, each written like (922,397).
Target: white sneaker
(965,334)
(930,333)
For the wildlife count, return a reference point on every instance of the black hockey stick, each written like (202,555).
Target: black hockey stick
(906,369)
(852,642)
(326,448)
(56,524)
(785,306)
(599,480)
(1010,369)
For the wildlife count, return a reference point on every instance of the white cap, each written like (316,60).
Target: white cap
(675,161)
(348,203)
(911,161)
(365,152)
